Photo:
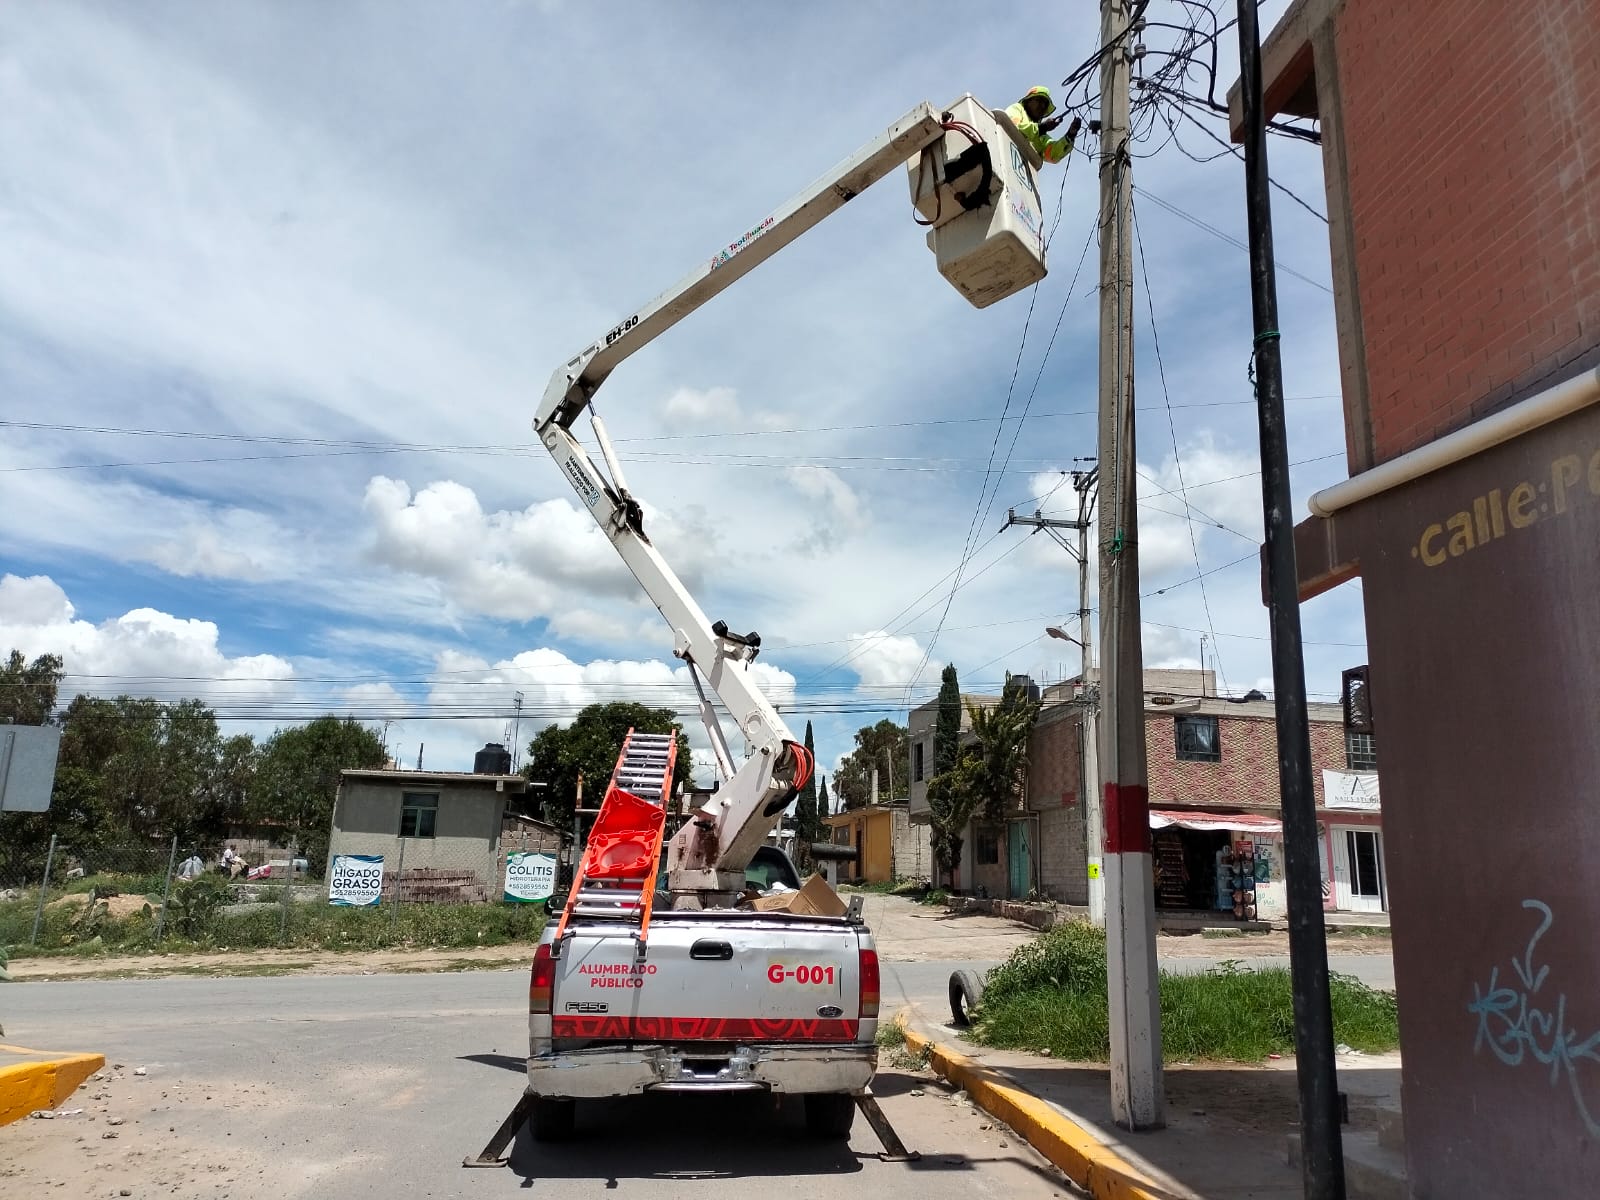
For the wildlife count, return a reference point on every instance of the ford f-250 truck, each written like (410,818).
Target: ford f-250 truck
(724,1001)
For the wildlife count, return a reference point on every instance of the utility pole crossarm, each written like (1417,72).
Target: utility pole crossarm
(575,382)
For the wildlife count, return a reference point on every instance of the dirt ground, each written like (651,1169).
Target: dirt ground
(125,1131)
(271,962)
(905,932)
(118,906)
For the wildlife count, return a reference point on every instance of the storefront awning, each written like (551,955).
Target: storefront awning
(1248,822)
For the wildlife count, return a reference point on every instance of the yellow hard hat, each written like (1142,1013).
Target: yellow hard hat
(1042,92)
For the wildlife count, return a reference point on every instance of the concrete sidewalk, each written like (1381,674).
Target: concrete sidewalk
(1228,1125)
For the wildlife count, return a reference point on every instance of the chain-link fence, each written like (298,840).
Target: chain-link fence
(65,894)
(75,899)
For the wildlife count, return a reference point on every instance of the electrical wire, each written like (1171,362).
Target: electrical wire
(1016,433)
(1172,428)
(1229,238)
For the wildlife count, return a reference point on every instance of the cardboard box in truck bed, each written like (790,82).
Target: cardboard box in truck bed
(814,899)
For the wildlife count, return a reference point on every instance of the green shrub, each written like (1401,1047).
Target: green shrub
(1070,956)
(1051,994)
(193,904)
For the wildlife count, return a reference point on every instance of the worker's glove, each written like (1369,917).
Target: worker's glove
(1051,123)
(1072,130)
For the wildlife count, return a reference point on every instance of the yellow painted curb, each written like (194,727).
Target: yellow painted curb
(1086,1160)
(42,1080)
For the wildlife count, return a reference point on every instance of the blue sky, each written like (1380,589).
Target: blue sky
(249,251)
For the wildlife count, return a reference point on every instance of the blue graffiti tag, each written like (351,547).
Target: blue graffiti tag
(1514,1027)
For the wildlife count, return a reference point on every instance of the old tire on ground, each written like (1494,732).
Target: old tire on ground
(830,1114)
(966,993)
(552,1120)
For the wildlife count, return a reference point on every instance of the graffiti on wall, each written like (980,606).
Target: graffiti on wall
(1522,1021)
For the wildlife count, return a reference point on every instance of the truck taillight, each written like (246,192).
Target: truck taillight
(869,984)
(542,983)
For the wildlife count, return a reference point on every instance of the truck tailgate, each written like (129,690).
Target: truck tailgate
(756,978)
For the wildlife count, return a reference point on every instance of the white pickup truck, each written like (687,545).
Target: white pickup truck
(727,1000)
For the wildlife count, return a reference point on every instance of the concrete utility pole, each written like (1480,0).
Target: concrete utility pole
(1083,483)
(516,730)
(1137,1093)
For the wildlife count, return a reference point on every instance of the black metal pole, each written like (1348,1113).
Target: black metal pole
(1322,1160)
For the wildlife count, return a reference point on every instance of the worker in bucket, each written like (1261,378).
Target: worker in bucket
(1029,116)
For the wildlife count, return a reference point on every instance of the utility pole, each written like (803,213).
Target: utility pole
(1322,1164)
(1137,1092)
(516,730)
(1084,483)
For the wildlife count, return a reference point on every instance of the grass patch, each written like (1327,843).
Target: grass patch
(1051,994)
(934,897)
(894,1050)
(891,1035)
(90,931)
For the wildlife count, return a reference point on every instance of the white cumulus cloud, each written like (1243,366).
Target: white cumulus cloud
(133,652)
(703,406)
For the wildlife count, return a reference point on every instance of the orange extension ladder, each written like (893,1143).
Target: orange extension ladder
(616,878)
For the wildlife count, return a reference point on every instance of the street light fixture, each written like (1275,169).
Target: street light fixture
(1061,634)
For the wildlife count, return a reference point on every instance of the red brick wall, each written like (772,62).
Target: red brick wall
(1472,136)
(1248,772)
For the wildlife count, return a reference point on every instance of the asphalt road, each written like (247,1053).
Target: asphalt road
(377,1086)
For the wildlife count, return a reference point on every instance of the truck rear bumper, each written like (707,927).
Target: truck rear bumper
(601,1072)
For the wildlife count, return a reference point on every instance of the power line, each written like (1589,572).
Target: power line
(1083,257)
(1226,237)
(1172,428)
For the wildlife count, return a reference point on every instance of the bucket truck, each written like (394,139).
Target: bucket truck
(669,980)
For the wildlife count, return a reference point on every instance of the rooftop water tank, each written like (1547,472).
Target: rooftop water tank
(493,759)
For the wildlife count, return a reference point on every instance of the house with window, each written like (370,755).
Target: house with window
(888,846)
(1216,826)
(439,832)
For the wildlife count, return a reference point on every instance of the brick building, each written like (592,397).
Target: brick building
(1213,773)
(1460,152)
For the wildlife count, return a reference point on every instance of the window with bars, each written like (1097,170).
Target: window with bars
(418,811)
(1198,739)
(916,762)
(987,847)
(1359,752)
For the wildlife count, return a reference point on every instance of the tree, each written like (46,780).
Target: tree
(947,727)
(884,746)
(589,746)
(822,801)
(1002,732)
(807,826)
(28,690)
(297,777)
(132,770)
(988,775)
(954,797)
